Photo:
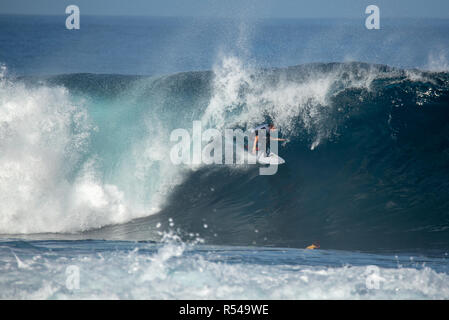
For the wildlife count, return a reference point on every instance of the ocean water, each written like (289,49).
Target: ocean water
(179,270)
(90,206)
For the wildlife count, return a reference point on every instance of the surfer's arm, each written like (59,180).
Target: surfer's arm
(278,139)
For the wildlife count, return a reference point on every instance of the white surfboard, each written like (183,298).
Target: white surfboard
(271,159)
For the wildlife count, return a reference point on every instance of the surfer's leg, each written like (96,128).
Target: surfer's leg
(256,142)
(268,145)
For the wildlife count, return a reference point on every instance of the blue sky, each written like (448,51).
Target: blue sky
(233,8)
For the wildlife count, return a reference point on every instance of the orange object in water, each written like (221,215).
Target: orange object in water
(315,245)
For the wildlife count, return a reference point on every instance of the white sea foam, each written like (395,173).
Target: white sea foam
(241,96)
(45,185)
(176,271)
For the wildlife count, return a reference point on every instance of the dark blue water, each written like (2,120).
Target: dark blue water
(85,121)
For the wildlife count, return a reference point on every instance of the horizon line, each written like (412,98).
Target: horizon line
(220,17)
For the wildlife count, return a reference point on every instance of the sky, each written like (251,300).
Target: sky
(233,8)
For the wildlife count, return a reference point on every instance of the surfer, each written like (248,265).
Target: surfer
(268,128)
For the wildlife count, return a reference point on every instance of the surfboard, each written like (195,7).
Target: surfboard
(273,158)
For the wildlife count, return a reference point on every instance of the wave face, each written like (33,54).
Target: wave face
(366,163)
